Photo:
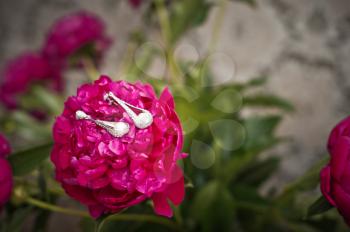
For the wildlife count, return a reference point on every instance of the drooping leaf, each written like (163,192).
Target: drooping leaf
(264,100)
(29,126)
(26,161)
(258,172)
(247,197)
(249,2)
(47,99)
(321,205)
(308,181)
(257,81)
(241,87)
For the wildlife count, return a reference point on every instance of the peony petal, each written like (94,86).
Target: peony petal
(342,129)
(81,194)
(161,205)
(96,210)
(176,191)
(342,200)
(167,98)
(339,158)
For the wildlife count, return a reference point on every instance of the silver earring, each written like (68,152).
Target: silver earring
(141,120)
(116,129)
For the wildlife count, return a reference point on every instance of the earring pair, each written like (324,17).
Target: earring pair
(118,129)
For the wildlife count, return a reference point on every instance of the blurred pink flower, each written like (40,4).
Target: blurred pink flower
(107,173)
(76,35)
(6,179)
(135,3)
(335,177)
(5,148)
(21,73)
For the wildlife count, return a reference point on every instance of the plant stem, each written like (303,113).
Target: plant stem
(177,215)
(90,69)
(218,21)
(99,224)
(144,218)
(164,21)
(54,208)
(115,217)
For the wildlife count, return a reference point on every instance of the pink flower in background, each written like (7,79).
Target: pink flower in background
(135,3)
(21,73)
(5,148)
(75,35)
(6,179)
(108,173)
(335,177)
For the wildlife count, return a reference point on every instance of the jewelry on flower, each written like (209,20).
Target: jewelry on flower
(116,129)
(141,120)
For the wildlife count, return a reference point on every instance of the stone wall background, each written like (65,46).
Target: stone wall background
(304,46)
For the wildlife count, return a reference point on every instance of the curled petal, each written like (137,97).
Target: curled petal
(167,98)
(325,177)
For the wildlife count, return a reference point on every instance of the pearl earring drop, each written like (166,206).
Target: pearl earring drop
(116,129)
(141,120)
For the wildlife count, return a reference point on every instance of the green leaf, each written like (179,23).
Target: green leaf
(213,208)
(247,197)
(228,134)
(268,101)
(308,181)
(228,101)
(48,99)
(87,225)
(259,137)
(260,130)
(185,14)
(258,172)
(257,81)
(32,128)
(321,205)
(24,162)
(249,2)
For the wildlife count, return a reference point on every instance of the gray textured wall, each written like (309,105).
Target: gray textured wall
(304,46)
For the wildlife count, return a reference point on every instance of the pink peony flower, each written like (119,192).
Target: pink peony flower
(23,72)
(75,35)
(6,180)
(108,173)
(335,177)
